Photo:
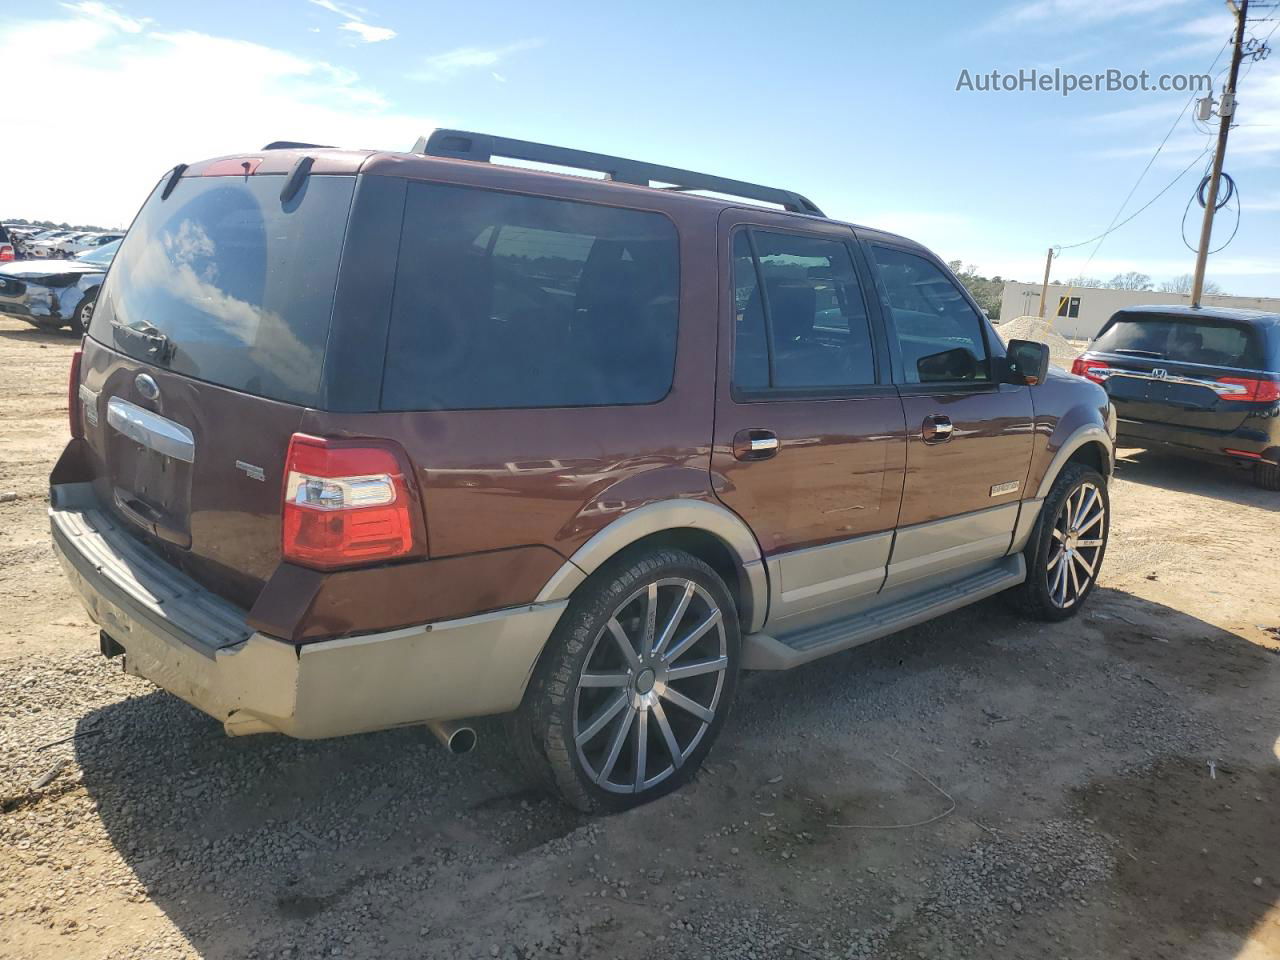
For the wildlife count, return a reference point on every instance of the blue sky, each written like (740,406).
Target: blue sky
(854,104)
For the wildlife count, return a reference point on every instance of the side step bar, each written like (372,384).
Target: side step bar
(763,652)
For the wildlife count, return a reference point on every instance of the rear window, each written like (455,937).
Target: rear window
(1218,343)
(504,300)
(223,283)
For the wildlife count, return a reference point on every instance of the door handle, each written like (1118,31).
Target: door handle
(755,444)
(937,429)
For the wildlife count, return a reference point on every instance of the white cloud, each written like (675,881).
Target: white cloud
(354,22)
(367,32)
(101,12)
(445,66)
(160,98)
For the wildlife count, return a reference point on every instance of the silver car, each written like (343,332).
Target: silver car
(55,293)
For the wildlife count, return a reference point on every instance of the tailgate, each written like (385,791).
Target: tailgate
(205,350)
(1174,394)
(194,470)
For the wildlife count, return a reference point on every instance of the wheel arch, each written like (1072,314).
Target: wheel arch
(1090,445)
(707,530)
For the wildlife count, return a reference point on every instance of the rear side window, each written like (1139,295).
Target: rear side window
(504,300)
(1216,343)
(222,282)
(800,321)
(939,333)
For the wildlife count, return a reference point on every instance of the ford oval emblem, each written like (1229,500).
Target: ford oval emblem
(149,389)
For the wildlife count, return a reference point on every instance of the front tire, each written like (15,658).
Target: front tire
(635,683)
(1064,554)
(80,319)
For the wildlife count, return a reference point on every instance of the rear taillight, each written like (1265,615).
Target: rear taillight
(346,503)
(1094,370)
(1251,391)
(6,252)
(73,398)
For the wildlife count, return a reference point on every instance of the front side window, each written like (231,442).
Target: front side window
(513,301)
(939,333)
(799,317)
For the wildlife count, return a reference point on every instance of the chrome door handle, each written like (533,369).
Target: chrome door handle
(755,444)
(937,429)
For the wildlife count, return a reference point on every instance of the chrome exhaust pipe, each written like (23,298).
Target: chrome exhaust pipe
(457,738)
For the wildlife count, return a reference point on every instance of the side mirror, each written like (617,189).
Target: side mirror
(1026,362)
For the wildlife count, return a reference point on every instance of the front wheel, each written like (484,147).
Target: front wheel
(1065,552)
(80,319)
(635,682)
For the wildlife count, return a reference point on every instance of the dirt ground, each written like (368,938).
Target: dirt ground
(981,786)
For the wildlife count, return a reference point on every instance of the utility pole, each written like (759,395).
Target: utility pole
(1226,111)
(1044,288)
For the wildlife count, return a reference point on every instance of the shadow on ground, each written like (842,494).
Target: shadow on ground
(1183,475)
(253,841)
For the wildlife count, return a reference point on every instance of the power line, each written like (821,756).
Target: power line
(1113,226)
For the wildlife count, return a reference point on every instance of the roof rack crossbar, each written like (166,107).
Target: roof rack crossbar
(483,147)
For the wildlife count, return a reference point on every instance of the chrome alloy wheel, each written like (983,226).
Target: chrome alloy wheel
(1078,539)
(650,685)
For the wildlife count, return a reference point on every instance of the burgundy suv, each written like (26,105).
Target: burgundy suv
(363,440)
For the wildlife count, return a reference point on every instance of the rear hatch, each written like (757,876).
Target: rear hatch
(1178,370)
(203,355)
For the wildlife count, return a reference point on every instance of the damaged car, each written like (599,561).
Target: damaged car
(55,293)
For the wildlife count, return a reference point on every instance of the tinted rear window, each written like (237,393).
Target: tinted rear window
(504,300)
(224,283)
(1213,342)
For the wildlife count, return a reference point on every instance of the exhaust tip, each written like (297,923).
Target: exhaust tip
(457,738)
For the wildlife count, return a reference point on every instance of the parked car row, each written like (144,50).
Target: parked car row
(34,243)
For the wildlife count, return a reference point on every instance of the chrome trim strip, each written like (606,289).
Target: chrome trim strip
(1222,389)
(89,401)
(151,430)
(1130,358)
(764,444)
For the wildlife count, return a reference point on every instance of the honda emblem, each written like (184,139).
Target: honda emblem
(1160,373)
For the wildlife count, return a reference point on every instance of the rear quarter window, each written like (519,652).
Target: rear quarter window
(504,300)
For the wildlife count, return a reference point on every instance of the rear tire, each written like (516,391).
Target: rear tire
(1267,476)
(634,685)
(1064,555)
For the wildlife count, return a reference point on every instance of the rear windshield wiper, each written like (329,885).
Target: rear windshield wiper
(159,347)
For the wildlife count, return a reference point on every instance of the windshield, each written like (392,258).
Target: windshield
(101,255)
(1207,340)
(222,282)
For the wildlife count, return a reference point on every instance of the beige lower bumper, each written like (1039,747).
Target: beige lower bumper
(175,634)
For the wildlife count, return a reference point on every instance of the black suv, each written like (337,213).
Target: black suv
(1203,382)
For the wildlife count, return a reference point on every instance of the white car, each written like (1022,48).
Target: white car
(86,242)
(46,244)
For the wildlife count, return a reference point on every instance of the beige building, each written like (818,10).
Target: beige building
(1079,312)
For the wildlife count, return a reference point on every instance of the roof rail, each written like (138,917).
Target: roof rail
(482,147)
(294,145)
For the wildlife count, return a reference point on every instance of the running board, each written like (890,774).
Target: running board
(763,652)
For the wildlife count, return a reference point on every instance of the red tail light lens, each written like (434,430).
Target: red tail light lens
(6,252)
(1253,391)
(73,398)
(1094,370)
(346,503)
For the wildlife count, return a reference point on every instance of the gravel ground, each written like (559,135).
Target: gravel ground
(980,786)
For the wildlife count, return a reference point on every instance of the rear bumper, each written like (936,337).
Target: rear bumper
(197,646)
(1260,435)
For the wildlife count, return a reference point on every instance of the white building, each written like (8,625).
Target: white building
(1079,312)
